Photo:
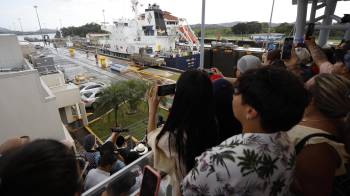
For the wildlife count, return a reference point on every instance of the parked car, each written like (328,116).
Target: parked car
(90,98)
(91,87)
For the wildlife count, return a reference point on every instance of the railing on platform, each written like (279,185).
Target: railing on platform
(117,178)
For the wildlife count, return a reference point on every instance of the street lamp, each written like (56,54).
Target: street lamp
(201,65)
(20,24)
(104,18)
(37,15)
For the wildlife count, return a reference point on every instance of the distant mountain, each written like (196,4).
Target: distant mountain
(4,30)
(46,31)
(222,25)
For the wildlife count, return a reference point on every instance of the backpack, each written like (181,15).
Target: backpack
(341,184)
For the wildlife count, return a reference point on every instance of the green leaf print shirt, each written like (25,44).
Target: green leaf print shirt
(246,164)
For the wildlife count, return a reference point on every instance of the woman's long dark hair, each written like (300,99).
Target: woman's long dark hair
(191,122)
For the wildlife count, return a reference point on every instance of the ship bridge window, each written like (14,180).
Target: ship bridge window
(148,30)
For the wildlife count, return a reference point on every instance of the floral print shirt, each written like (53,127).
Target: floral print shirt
(245,164)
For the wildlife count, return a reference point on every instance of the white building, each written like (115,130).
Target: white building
(29,103)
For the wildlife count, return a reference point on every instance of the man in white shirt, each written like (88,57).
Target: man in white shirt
(102,172)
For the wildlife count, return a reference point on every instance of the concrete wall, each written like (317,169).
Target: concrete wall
(10,52)
(28,107)
(66,95)
(27,48)
(53,80)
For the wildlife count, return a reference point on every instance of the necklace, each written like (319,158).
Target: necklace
(311,120)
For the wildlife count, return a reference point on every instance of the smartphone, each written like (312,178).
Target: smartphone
(150,182)
(168,89)
(287,48)
(309,30)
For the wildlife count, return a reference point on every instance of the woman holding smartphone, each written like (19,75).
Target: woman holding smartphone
(189,130)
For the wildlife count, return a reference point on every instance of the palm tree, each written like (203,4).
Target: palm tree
(112,97)
(136,90)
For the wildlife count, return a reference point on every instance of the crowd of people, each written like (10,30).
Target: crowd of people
(279,127)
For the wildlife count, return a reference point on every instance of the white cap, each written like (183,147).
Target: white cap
(248,62)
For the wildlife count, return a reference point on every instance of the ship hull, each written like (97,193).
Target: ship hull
(182,63)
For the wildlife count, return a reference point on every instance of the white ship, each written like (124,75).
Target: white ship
(155,32)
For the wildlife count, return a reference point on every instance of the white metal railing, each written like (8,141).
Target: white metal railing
(146,159)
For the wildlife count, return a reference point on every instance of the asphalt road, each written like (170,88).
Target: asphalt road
(81,65)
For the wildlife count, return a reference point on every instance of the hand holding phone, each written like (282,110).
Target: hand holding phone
(150,182)
(309,31)
(287,48)
(168,89)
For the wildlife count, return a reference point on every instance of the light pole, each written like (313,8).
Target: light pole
(104,18)
(270,23)
(37,15)
(20,24)
(201,65)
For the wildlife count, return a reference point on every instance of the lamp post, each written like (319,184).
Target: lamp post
(269,29)
(20,24)
(201,65)
(104,18)
(37,15)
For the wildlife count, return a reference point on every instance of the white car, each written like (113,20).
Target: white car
(90,97)
(91,87)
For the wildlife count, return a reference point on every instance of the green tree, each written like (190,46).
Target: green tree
(247,28)
(82,30)
(58,34)
(239,28)
(136,90)
(284,28)
(112,97)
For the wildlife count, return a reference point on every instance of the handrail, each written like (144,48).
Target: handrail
(97,188)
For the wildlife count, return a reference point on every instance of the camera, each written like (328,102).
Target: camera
(119,130)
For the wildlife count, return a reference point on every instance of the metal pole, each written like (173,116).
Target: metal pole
(20,24)
(328,11)
(313,11)
(37,15)
(300,21)
(104,18)
(201,66)
(269,31)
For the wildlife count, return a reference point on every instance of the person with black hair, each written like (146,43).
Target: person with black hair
(109,148)
(228,125)
(124,150)
(90,154)
(127,185)
(189,129)
(103,171)
(260,161)
(40,168)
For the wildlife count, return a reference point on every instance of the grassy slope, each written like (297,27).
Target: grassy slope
(136,123)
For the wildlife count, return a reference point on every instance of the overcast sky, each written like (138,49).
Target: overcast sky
(79,12)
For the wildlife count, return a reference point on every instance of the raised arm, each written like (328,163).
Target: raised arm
(153,102)
(318,56)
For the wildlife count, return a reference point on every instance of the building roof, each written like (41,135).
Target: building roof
(168,16)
